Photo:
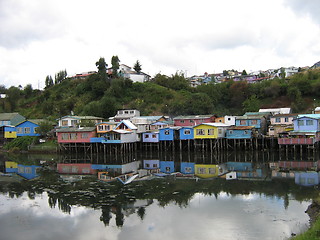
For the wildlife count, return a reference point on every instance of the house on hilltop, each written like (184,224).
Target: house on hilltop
(10,119)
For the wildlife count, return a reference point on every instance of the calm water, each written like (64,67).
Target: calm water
(51,208)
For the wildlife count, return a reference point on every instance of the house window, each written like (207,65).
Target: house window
(212,171)
(19,129)
(188,169)
(181,121)
(187,132)
(126,112)
(201,170)
(132,112)
(26,130)
(246,132)
(66,169)
(278,120)
(154,135)
(147,165)
(146,136)
(85,170)
(73,136)
(167,169)
(155,165)
(73,122)
(300,123)
(219,131)
(191,121)
(229,119)
(74,169)
(243,122)
(309,122)
(254,122)
(286,119)
(84,135)
(200,132)
(28,170)
(210,131)
(101,127)
(230,131)
(311,181)
(64,122)
(166,132)
(65,136)
(36,130)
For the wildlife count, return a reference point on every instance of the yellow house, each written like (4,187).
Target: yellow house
(10,132)
(210,130)
(206,170)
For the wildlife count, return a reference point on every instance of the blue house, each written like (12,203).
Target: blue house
(257,120)
(239,166)
(306,178)
(187,167)
(151,137)
(240,132)
(306,131)
(151,164)
(28,172)
(169,134)
(167,166)
(307,123)
(28,128)
(185,133)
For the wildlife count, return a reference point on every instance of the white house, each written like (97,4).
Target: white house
(128,72)
(127,114)
(73,121)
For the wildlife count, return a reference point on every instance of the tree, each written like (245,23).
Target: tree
(102,68)
(49,81)
(251,104)
(244,73)
(115,65)
(60,76)
(137,66)
(44,128)
(28,90)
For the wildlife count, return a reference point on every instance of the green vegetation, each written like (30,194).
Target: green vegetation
(312,234)
(21,143)
(102,95)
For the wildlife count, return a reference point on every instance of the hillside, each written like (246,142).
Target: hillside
(163,95)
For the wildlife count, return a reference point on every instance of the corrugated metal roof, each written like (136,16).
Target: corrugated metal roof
(193,117)
(75,129)
(7,116)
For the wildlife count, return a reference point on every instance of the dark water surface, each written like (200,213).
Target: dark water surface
(51,208)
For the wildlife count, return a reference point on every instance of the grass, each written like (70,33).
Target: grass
(49,146)
(312,234)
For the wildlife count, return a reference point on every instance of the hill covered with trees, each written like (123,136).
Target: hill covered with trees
(102,95)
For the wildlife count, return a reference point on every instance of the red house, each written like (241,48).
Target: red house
(184,121)
(76,168)
(76,135)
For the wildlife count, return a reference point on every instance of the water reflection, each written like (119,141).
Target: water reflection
(264,201)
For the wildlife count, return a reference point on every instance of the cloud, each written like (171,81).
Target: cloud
(24,22)
(310,8)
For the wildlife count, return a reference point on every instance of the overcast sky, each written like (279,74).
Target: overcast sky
(40,38)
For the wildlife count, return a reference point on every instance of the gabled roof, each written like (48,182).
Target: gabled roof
(8,116)
(128,124)
(314,116)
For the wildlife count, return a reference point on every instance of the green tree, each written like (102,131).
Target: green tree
(60,76)
(115,62)
(49,81)
(251,104)
(137,66)
(244,73)
(102,68)
(27,91)
(44,128)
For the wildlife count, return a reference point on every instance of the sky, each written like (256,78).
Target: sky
(41,38)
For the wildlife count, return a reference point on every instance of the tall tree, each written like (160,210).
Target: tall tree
(137,67)
(102,68)
(115,62)
(49,81)
(244,73)
(60,76)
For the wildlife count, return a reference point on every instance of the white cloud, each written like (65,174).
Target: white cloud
(41,38)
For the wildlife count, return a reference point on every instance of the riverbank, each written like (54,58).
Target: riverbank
(313,233)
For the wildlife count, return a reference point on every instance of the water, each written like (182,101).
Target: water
(51,208)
